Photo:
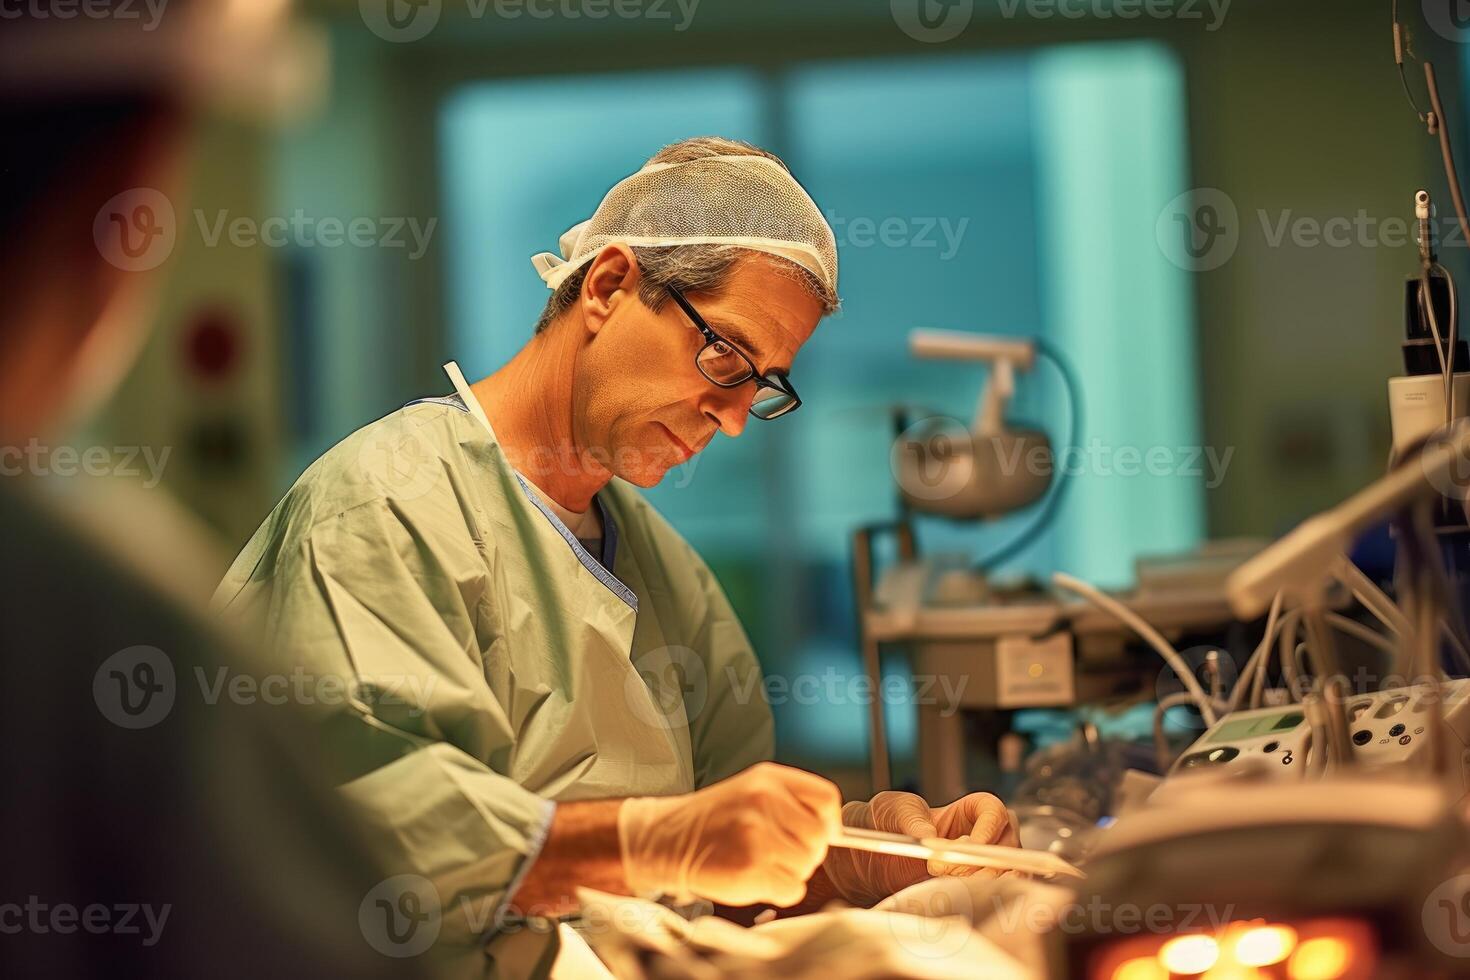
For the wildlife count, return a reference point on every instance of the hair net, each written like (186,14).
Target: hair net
(748,201)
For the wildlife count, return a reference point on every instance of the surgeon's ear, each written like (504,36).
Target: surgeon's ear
(612,278)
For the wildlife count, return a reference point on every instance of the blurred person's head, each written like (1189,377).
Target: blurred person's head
(73,321)
(639,400)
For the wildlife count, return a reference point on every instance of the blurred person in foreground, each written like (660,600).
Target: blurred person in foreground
(145,831)
(555,690)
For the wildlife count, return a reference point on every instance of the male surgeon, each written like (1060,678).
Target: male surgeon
(548,687)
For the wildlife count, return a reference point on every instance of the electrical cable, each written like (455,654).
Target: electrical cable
(1374,599)
(1254,665)
(1287,659)
(1426,308)
(1398,57)
(1140,626)
(1365,633)
(1043,517)
(1437,127)
(1320,745)
(1452,414)
(1161,745)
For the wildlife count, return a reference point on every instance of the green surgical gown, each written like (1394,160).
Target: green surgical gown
(470,663)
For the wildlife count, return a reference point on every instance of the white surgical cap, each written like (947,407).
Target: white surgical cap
(748,201)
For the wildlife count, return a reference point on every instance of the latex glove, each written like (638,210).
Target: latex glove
(754,837)
(863,878)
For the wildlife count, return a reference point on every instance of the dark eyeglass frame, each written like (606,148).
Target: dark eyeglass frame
(776,381)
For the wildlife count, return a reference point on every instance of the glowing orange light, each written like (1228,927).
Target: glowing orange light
(1222,971)
(1144,969)
(1264,945)
(1189,954)
(1323,958)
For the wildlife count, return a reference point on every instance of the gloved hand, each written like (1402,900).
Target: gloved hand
(754,837)
(863,878)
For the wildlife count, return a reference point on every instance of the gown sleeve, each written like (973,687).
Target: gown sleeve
(372,616)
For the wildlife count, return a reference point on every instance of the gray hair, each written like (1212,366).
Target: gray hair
(690,268)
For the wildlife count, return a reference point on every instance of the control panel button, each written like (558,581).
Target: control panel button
(1209,757)
(1362,736)
(1392,707)
(1405,739)
(1396,731)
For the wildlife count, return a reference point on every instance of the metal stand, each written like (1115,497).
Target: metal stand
(864,580)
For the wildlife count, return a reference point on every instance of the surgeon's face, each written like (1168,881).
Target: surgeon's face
(639,399)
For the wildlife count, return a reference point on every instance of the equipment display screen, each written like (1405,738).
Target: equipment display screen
(1256,726)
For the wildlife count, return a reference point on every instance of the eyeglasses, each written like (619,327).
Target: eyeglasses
(726,365)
